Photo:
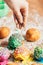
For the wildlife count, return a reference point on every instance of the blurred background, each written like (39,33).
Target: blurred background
(37,5)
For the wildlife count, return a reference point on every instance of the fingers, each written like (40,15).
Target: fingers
(25,15)
(18,25)
(18,16)
(21,16)
(24,12)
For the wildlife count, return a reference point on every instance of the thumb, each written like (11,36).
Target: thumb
(18,16)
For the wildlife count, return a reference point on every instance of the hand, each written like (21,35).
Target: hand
(20,11)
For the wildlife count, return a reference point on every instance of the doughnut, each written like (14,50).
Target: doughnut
(21,53)
(4,32)
(32,34)
(38,53)
(14,41)
(4,62)
(4,54)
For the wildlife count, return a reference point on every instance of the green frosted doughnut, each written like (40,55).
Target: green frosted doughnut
(15,41)
(38,53)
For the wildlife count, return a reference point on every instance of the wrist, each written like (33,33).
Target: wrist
(9,3)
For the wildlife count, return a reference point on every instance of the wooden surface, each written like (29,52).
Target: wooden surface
(37,5)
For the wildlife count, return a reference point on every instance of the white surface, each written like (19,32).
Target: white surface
(37,22)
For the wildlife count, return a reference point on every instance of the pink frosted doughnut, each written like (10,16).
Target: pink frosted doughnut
(4,54)
(4,62)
